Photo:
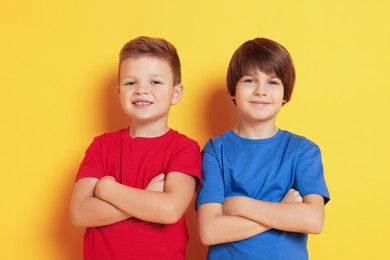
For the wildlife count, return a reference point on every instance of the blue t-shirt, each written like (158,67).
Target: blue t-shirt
(263,169)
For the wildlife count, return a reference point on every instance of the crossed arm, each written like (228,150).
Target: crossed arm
(102,202)
(242,217)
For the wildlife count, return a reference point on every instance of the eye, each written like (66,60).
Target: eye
(274,82)
(248,80)
(129,83)
(156,82)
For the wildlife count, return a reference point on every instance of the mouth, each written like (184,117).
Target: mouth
(142,103)
(258,102)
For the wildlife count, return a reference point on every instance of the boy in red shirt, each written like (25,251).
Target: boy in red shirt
(134,185)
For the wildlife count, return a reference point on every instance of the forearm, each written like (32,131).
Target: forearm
(160,207)
(93,212)
(305,217)
(142,204)
(225,229)
(89,211)
(215,228)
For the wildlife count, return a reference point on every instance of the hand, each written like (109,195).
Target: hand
(157,183)
(231,205)
(102,186)
(108,177)
(292,196)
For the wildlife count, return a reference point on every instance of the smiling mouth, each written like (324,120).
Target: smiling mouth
(260,102)
(142,103)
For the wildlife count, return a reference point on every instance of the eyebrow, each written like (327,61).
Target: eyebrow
(273,75)
(133,76)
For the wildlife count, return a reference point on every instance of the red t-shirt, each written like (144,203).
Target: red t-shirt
(134,162)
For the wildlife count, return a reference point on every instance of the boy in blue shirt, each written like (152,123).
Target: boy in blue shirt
(253,176)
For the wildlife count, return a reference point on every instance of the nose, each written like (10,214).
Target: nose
(141,89)
(261,90)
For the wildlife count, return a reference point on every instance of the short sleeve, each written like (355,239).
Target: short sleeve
(187,160)
(92,165)
(212,189)
(310,172)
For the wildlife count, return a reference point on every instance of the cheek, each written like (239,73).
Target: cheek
(163,95)
(121,96)
(125,92)
(240,94)
(278,95)
(124,97)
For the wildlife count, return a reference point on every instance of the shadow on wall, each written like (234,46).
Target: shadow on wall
(68,239)
(220,112)
(115,118)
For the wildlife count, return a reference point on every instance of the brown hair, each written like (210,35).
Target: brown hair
(152,47)
(265,55)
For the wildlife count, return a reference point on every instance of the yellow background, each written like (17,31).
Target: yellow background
(58,75)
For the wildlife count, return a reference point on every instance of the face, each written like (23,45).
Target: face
(259,97)
(146,89)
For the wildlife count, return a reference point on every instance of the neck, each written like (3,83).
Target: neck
(147,130)
(256,131)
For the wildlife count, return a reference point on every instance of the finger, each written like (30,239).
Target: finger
(299,199)
(110,177)
(292,192)
(160,177)
(295,192)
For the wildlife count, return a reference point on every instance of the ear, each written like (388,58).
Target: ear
(234,100)
(118,90)
(177,94)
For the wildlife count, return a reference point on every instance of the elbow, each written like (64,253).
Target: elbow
(171,214)
(206,240)
(316,228)
(169,220)
(315,215)
(207,236)
(315,225)
(76,218)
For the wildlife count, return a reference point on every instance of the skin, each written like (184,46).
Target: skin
(146,92)
(259,98)
(89,211)
(217,225)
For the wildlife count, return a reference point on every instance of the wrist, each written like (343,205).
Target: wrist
(103,187)
(240,206)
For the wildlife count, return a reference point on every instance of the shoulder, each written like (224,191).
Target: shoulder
(300,140)
(216,143)
(220,139)
(180,139)
(112,134)
(110,137)
(301,146)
